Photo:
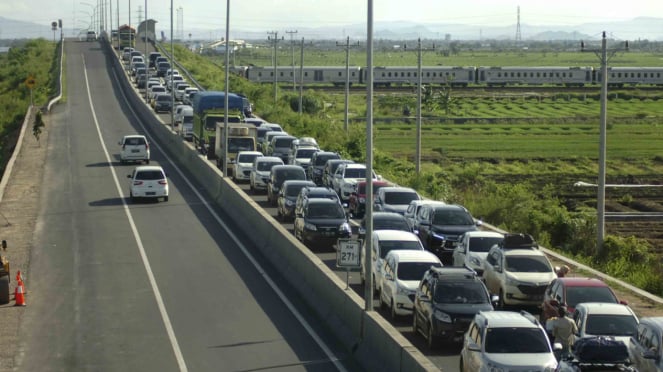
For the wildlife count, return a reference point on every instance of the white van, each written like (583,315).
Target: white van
(185,122)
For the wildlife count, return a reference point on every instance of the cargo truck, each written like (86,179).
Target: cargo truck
(207,106)
(241,137)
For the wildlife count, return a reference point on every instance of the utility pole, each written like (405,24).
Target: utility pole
(292,48)
(347,80)
(301,77)
(419,89)
(274,38)
(604,55)
(368,273)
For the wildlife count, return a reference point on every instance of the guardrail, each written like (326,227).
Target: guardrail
(365,334)
(57,98)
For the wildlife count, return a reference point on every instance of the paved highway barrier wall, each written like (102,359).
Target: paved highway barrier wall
(372,340)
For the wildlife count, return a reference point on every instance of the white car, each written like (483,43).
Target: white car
(302,156)
(179,112)
(385,241)
(261,170)
(606,319)
(518,276)
(148,181)
(473,247)
(403,271)
(243,164)
(506,341)
(154,91)
(188,95)
(346,177)
(135,147)
(179,91)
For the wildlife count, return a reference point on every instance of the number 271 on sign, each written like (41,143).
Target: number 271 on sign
(348,254)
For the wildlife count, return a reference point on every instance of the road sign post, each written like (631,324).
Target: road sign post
(30,83)
(348,256)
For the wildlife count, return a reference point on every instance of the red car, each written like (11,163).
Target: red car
(357,203)
(572,291)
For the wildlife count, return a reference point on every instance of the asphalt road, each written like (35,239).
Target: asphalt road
(151,286)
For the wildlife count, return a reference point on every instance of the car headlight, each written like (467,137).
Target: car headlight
(495,368)
(552,367)
(361,230)
(310,226)
(317,171)
(402,291)
(442,316)
(362,200)
(511,281)
(289,203)
(345,227)
(475,261)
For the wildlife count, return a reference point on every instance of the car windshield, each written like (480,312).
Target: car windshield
(134,141)
(163,98)
(322,159)
(414,270)
(305,153)
(528,264)
(390,245)
(266,165)
(325,211)
(290,174)
(611,325)
(293,190)
(460,293)
(483,244)
(283,142)
(355,173)
(400,198)
(246,158)
(452,217)
(241,144)
(389,224)
(150,175)
(512,340)
(576,295)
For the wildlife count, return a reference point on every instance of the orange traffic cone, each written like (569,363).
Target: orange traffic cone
(19,295)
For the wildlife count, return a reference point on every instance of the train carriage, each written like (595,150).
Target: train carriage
(311,74)
(567,76)
(408,75)
(620,76)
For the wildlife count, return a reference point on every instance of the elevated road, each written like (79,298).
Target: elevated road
(150,286)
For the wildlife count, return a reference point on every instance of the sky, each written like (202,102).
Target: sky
(282,15)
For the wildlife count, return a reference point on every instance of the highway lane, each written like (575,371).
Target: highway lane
(150,286)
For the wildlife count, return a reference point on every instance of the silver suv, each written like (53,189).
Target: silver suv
(506,340)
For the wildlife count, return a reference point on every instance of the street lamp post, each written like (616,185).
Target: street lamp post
(368,273)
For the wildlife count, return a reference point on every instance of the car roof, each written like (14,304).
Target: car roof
(395,235)
(605,308)
(500,319)
(355,165)
(322,201)
(523,252)
(287,166)
(148,168)
(297,182)
(250,153)
(483,234)
(570,281)
(269,159)
(655,321)
(406,255)
(388,215)
(387,189)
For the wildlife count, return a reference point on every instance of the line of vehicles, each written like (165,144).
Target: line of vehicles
(431,260)
(462,76)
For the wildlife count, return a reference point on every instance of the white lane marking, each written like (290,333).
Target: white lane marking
(246,252)
(139,242)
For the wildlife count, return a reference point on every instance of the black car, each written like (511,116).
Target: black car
(385,221)
(162,67)
(280,174)
(315,192)
(321,222)
(440,225)
(318,161)
(288,197)
(152,58)
(446,301)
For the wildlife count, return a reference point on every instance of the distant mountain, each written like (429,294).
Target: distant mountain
(636,29)
(11,29)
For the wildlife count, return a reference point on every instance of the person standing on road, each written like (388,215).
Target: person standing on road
(564,330)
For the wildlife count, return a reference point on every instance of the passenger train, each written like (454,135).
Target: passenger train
(462,76)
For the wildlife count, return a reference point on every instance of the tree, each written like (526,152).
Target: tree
(38,125)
